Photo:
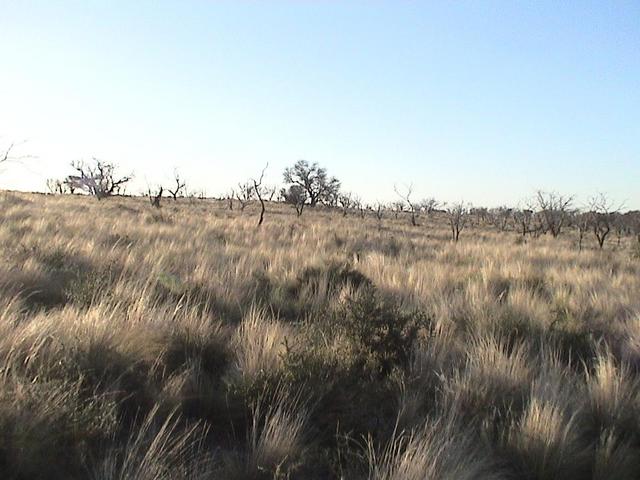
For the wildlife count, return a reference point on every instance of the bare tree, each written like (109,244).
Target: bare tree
(7,154)
(522,218)
(582,221)
(379,210)
(602,212)
(261,192)
(244,194)
(230,196)
(500,217)
(632,221)
(98,179)
(57,187)
(346,202)
(156,197)
(397,207)
(429,205)
(555,210)
(295,195)
(359,206)
(481,214)
(179,186)
(457,214)
(619,226)
(269,192)
(406,197)
(319,187)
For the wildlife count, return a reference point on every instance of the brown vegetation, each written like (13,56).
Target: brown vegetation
(184,343)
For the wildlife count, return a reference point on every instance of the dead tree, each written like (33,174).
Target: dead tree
(358,205)
(379,210)
(522,218)
(270,192)
(619,227)
(346,202)
(500,217)
(406,197)
(244,194)
(632,221)
(397,207)
(582,221)
(554,208)
(179,186)
(230,197)
(457,214)
(260,192)
(602,213)
(6,156)
(156,198)
(98,180)
(57,187)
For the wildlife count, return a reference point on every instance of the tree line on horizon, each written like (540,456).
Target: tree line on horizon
(308,185)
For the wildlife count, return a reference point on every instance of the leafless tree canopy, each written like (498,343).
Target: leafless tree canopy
(554,208)
(179,186)
(405,195)
(346,201)
(428,205)
(59,187)
(500,217)
(602,214)
(261,192)
(98,179)
(244,194)
(156,197)
(314,180)
(458,215)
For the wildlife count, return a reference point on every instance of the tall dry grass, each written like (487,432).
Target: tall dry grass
(187,343)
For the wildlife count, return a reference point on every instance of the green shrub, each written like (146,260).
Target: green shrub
(380,332)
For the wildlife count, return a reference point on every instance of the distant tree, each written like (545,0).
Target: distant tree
(58,187)
(428,205)
(156,197)
(296,196)
(457,214)
(261,192)
(619,226)
(179,186)
(500,217)
(405,195)
(98,179)
(582,221)
(397,207)
(632,220)
(230,197)
(555,210)
(5,155)
(378,208)
(244,194)
(602,213)
(313,179)
(359,206)
(522,218)
(481,214)
(346,202)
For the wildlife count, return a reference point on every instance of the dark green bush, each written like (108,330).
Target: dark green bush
(381,333)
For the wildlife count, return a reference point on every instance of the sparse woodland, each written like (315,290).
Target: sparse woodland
(184,342)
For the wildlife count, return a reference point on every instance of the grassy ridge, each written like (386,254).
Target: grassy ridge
(186,343)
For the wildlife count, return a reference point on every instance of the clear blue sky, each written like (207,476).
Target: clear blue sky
(481,101)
